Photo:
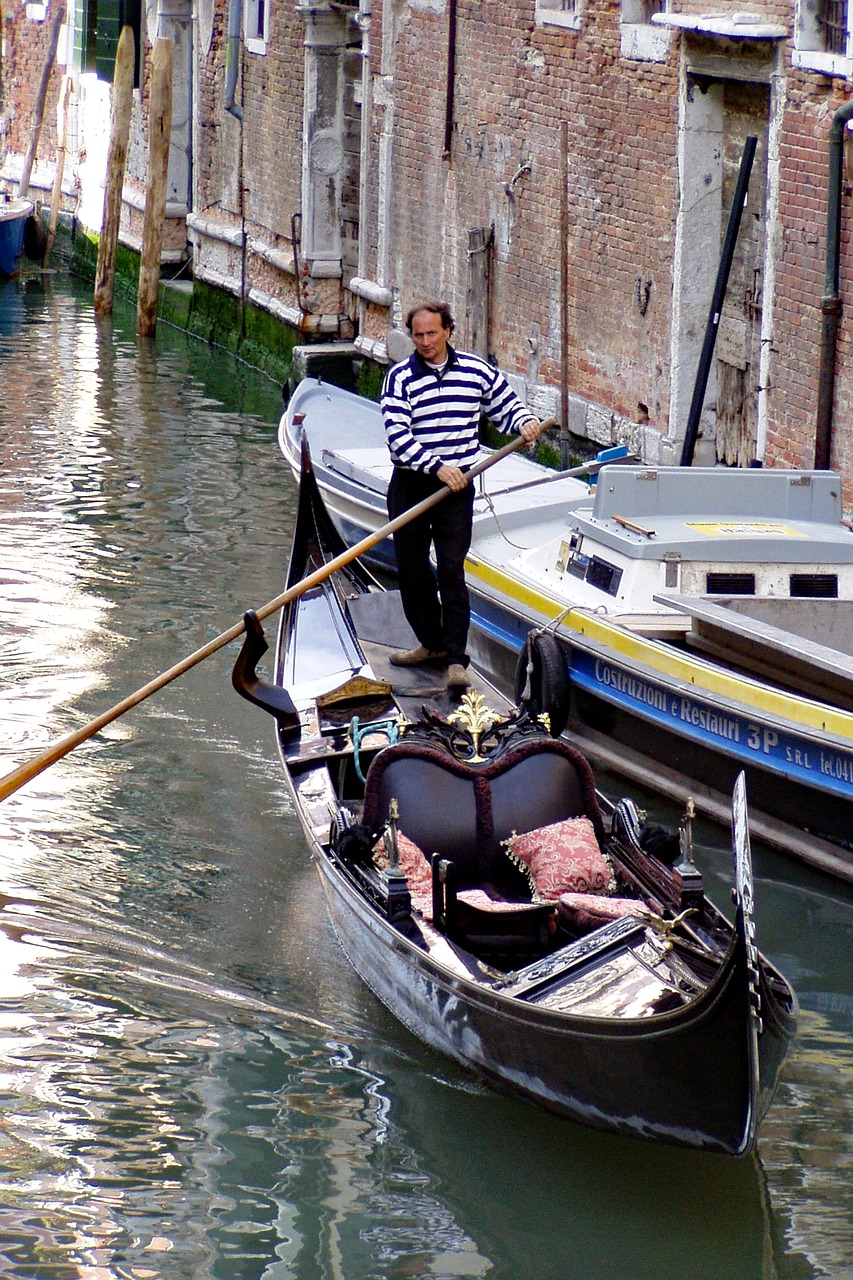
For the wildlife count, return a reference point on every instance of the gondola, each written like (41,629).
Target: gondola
(506,912)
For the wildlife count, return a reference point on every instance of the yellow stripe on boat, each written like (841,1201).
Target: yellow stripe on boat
(703,676)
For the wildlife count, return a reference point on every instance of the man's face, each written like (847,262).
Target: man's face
(430,336)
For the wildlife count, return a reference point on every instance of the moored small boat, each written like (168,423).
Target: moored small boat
(501,908)
(13,221)
(701,616)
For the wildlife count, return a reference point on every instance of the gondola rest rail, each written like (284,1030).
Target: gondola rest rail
(358,732)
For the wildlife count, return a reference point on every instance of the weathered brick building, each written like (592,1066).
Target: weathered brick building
(560,170)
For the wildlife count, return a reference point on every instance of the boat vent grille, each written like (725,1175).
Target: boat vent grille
(823,585)
(730,584)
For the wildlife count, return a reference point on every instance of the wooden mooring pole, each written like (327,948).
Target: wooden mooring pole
(159,132)
(116,163)
(41,95)
(56,194)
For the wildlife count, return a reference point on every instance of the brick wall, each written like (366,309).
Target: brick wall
(25,45)
(515,84)
(799,284)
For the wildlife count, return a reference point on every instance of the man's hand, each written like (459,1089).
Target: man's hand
(531,430)
(455,479)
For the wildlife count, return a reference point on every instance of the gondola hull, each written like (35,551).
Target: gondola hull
(667,1081)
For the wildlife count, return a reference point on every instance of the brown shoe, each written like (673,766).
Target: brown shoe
(457,676)
(417,657)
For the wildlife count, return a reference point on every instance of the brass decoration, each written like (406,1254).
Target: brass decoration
(389,838)
(477,719)
(474,733)
(355,689)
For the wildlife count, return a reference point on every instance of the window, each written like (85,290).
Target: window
(835,26)
(822,36)
(639,39)
(256,25)
(641,10)
(97,27)
(558,13)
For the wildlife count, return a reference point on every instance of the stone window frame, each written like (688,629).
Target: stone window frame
(810,52)
(256,25)
(559,13)
(640,40)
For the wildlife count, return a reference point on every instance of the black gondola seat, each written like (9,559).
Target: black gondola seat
(458,814)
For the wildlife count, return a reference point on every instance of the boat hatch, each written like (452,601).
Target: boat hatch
(719,515)
(645,494)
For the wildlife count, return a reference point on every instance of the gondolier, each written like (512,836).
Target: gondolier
(432,403)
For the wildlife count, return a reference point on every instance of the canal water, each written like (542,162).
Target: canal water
(193,1084)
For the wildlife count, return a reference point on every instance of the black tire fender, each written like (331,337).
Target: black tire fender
(550,687)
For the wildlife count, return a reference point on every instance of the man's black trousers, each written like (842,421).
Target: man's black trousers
(435,603)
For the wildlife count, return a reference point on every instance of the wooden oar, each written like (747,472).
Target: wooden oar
(11,782)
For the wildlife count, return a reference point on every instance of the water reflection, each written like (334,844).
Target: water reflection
(193,1083)
(230,1142)
(249,1146)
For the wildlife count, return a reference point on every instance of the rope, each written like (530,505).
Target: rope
(491,508)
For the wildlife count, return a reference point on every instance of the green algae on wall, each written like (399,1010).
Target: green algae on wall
(214,315)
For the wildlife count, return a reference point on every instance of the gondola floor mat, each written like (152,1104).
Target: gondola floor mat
(378,618)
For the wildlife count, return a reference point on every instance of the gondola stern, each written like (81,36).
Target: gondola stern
(769,1026)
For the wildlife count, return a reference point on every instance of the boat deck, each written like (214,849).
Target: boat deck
(347,440)
(811,653)
(382,628)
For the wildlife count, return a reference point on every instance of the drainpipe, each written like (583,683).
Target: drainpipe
(232,57)
(365,22)
(232,66)
(830,304)
(451,80)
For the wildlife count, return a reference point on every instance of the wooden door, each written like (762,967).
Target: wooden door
(738,349)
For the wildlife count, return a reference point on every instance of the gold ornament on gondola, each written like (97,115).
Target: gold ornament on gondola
(477,719)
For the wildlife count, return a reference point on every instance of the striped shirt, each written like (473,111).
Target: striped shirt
(432,418)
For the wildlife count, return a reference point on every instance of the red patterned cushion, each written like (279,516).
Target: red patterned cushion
(562,858)
(485,902)
(589,910)
(415,868)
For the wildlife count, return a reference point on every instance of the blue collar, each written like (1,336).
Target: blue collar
(420,366)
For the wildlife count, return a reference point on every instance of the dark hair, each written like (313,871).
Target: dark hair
(440,309)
